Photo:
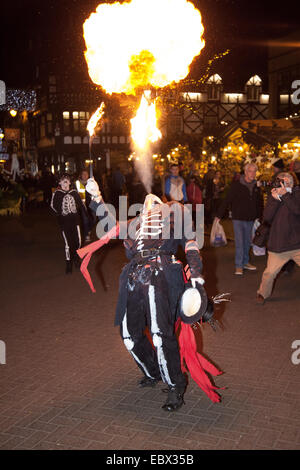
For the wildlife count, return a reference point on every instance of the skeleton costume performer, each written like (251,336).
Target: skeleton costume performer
(67,205)
(150,288)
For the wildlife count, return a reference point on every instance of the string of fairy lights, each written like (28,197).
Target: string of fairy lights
(19,100)
(193,83)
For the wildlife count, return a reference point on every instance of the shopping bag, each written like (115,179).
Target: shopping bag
(217,234)
(257,250)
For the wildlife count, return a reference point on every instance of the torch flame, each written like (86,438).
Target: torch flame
(98,114)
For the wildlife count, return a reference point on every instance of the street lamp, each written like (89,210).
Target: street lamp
(13,112)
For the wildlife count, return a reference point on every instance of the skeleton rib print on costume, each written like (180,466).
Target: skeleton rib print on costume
(68,205)
(151,227)
(151,221)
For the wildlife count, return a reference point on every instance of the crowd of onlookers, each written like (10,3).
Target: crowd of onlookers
(179,183)
(274,203)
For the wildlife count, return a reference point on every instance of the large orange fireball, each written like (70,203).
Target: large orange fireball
(142,43)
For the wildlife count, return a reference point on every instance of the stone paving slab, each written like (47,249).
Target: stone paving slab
(69,383)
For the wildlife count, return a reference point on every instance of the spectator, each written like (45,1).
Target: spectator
(88,216)
(296,169)
(158,186)
(118,182)
(175,188)
(246,200)
(208,191)
(194,194)
(137,192)
(47,182)
(107,185)
(218,188)
(277,167)
(283,213)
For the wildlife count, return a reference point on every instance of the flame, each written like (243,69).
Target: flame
(143,125)
(141,43)
(98,114)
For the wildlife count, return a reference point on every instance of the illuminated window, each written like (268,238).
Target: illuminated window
(215,80)
(66,115)
(255,80)
(254,88)
(80,120)
(214,87)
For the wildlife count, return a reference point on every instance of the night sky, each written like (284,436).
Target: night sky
(54,28)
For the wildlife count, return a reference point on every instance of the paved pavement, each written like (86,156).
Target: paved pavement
(69,383)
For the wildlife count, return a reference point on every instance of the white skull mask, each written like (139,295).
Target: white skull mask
(150,202)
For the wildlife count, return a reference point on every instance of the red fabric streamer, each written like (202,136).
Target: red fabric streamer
(195,362)
(87,251)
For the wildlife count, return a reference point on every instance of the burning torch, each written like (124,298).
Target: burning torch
(93,122)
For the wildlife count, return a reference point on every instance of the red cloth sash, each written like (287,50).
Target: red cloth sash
(86,252)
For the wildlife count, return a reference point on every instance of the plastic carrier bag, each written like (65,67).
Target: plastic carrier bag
(257,250)
(217,234)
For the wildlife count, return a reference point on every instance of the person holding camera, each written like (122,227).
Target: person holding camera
(282,213)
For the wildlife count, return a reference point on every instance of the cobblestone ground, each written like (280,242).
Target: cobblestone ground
(69,383)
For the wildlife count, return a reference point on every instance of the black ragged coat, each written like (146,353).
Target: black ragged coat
(168,242)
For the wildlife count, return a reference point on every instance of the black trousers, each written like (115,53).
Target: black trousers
(148,305)
(72,239)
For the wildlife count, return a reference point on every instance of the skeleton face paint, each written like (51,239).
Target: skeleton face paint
(65,184)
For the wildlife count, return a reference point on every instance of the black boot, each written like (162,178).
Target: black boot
(77,261)
(148,382)
(175,398)
(68,267)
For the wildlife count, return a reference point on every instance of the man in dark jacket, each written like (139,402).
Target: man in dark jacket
(283,213)
(246,202)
